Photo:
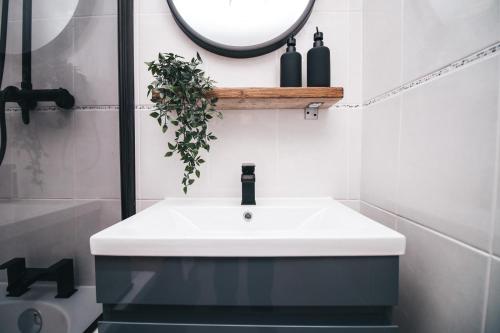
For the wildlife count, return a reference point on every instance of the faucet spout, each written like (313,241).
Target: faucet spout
(248,184)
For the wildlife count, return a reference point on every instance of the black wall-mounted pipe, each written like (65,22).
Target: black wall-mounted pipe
(27,97)
(26,45)
(127,105)
(3,44)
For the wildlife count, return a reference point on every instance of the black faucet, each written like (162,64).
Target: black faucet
(20,278)
(248,184)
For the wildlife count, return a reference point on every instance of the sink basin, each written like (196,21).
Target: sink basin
(275,227)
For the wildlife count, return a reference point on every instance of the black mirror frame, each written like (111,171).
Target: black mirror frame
(240,51)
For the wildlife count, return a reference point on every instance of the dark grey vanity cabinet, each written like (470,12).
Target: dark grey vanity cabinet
(248,295)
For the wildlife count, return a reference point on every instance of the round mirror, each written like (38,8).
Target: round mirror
(240,28)
(49,18)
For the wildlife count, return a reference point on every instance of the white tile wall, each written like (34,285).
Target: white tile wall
(381,46)
(429,158)
(448,145)
(97,150)
(43,154)
(380,148)
(442,284)
(294,157)
(439,32)
(95,72)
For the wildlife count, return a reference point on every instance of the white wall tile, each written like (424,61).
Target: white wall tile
(8,175)
(98,7)
(380,153)
(381,46)
(161,176)
(439,32)
(52,66)
(353,89)
(313,155)
(97,149)
(355,152)
(448,153)
(153,7)
(442,284)
(496,223)
(96,71)
(43,153)
(331,5)
(244,136)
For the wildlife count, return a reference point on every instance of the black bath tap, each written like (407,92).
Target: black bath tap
(248,184)
(20,278)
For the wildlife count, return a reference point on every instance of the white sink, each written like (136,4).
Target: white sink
(281,227)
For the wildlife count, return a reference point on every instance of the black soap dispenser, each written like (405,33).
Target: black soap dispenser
(318,63)
(291,66)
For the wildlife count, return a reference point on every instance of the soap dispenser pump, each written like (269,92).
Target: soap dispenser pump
(291,66)
(318,63)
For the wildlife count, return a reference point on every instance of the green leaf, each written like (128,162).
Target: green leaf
(183,87)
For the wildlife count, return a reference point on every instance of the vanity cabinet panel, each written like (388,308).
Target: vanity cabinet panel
(248,295)
(120,327)
(312,281)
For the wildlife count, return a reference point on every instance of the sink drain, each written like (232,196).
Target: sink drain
(30,321)
(247,216)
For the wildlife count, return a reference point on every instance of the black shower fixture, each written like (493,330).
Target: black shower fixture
(26,97)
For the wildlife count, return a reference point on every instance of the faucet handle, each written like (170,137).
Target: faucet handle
(14,263)
(248,168)
(15,270)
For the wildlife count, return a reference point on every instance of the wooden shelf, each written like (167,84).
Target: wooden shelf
(276,98)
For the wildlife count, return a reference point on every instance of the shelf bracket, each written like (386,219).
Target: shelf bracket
(311,111)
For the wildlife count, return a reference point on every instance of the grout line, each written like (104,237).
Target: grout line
(475,57)
(433,231)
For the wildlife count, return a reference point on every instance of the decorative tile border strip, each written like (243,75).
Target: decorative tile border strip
(483,54)
(76,108)
(337,106)
(147,107)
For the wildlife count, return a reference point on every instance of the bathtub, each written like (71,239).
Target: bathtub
(39,311)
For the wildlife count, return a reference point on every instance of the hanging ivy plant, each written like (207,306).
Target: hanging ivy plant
(181,91)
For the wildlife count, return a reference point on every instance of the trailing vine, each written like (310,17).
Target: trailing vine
(181,93)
